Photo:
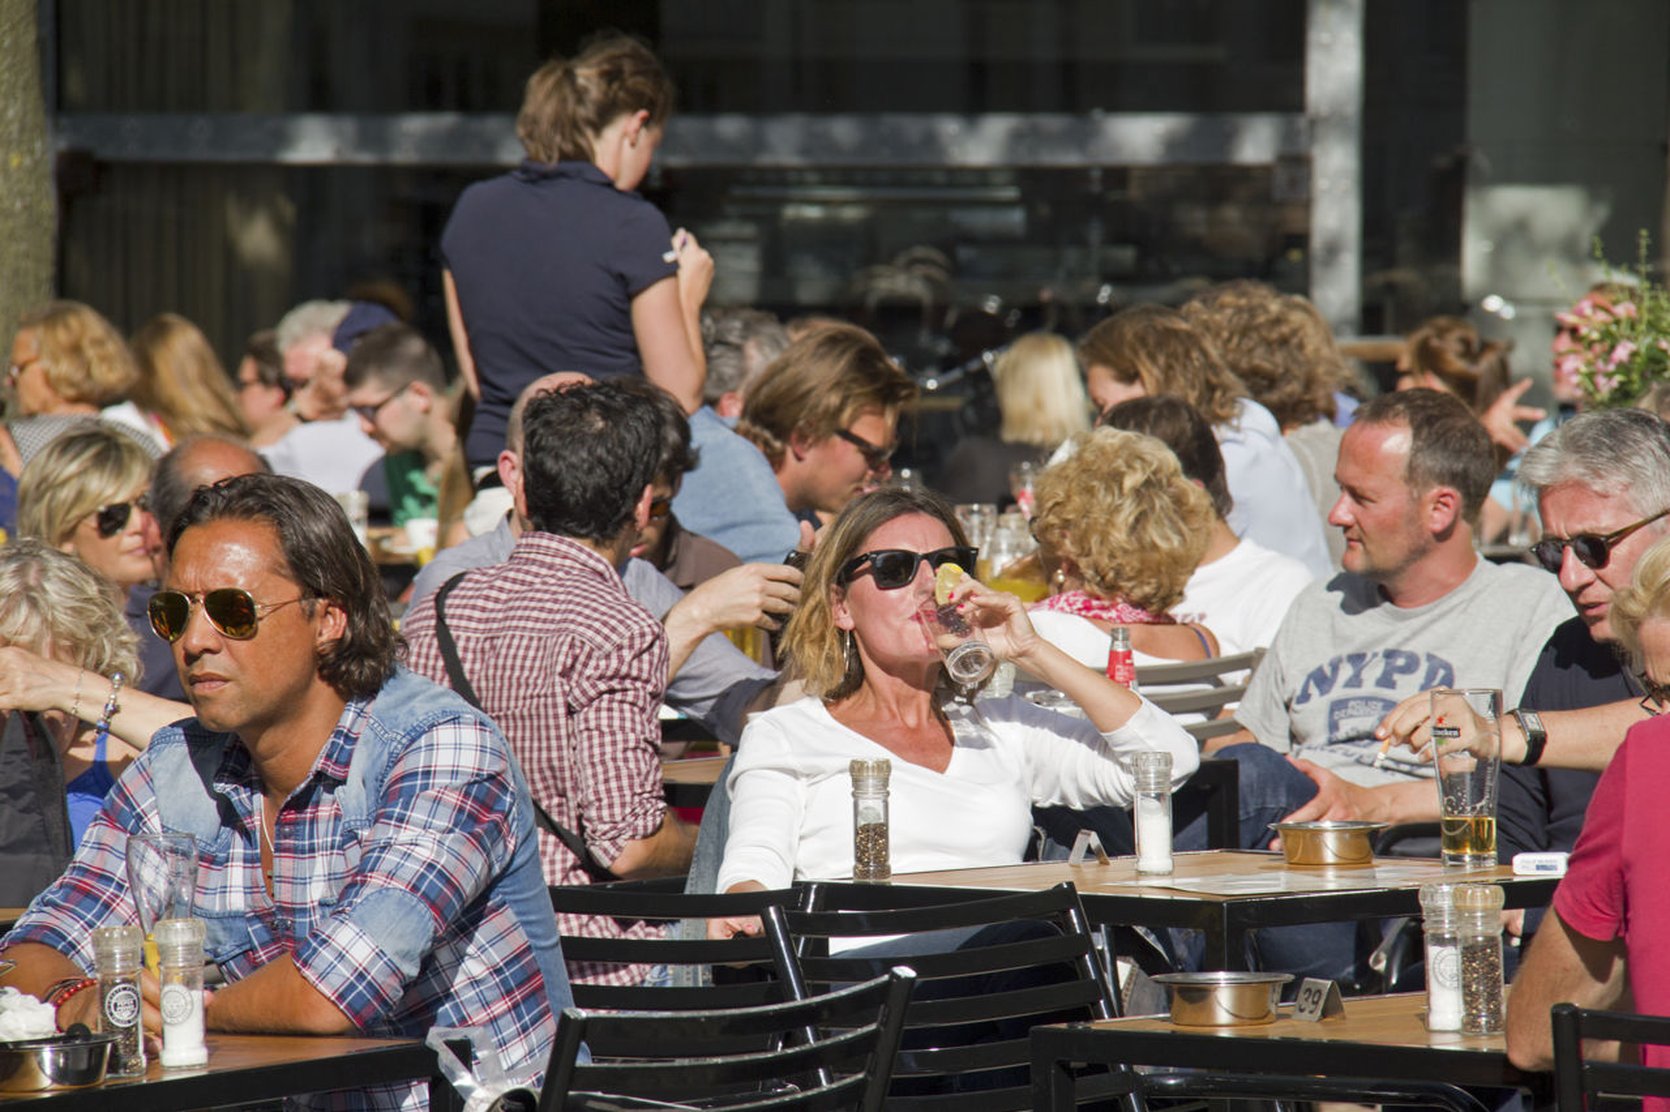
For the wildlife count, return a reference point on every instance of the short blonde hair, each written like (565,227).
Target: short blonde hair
(1162,350)
(1040,392)
(816,648)
(1120,509)
(59,607)
(74,476)
(85,359)
(1646,597)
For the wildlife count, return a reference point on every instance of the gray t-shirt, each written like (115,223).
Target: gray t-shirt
(1344,657)
(716,684)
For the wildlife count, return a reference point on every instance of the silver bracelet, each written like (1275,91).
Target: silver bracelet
(111,704)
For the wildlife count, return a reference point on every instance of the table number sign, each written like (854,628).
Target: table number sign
(1086,843)
(1318,999)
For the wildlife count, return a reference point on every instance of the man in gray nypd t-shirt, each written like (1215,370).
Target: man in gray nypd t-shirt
(1416,608)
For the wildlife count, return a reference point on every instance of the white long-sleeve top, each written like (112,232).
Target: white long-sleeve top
(791,791)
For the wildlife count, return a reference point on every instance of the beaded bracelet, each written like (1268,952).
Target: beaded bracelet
(65,995)
(59,986)
(111,705)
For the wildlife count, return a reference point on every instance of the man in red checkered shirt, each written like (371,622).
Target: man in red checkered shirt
(556,651)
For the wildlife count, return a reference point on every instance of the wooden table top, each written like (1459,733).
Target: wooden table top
(1211,875)
(250,1067)
(1388,1021)
(1376,1037)
(693,770)
(10,915)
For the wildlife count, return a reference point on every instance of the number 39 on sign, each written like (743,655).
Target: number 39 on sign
(1317,999)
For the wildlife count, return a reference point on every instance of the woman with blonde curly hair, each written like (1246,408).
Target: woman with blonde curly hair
(1120,530)
(1041,399)
(59,613)
(182,389)
(1150,350)
(68,363)
(963,784)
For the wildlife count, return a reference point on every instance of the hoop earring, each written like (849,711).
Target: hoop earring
(849,650)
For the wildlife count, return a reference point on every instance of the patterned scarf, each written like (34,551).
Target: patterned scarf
(1096,609)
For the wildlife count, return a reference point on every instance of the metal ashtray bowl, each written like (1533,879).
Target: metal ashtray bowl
(59,1062)
(1337,844)
(1223,999)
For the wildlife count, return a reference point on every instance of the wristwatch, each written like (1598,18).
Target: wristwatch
(1536,737)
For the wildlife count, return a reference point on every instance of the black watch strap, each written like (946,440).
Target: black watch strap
(1536,737)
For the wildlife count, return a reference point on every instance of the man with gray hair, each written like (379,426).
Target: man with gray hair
(739,343)
(1603,487)
(1604,483)
(328,449)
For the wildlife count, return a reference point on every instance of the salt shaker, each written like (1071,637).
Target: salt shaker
(180,954)
(871,860)
(116,951)
(1151,810)
(1479,931)
(1443,957)
(1122,667)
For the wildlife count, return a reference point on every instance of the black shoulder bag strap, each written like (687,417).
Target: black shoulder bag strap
(461,684)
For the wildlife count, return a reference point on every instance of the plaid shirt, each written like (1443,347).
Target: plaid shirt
(407,908)
(572,670)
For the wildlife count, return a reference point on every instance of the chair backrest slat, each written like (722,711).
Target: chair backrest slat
(833,1051)
(659,903)
(990,969)
(1577,1079)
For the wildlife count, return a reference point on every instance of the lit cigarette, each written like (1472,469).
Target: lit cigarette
(1380,757)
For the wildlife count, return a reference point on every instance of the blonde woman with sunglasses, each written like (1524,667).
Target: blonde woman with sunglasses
(964,777)
(86,495)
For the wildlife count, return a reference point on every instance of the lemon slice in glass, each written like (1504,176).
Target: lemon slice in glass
(946,576)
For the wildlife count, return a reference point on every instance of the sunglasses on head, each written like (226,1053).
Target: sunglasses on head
(892,568)
(112,519)
(231,610)
(1592,551)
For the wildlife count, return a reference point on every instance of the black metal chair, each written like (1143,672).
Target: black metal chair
(712,1058)
(1009,962)
(1577,1079)
(723,973)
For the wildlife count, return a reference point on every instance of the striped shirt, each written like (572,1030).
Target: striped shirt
(573,671)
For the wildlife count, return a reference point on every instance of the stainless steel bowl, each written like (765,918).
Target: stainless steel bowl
(59,1062)
(1341,845)
(1223,999)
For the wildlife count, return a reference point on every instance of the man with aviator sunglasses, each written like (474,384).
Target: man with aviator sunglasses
(366,848)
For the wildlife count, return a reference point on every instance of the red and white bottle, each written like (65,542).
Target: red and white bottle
(1122,668)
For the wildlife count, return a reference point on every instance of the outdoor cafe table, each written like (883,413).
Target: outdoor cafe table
(244,1068)
(1225,893)
(1378,1037)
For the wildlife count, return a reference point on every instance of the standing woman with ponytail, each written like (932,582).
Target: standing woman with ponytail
(559,265)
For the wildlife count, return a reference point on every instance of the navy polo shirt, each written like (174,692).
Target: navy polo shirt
(547,260)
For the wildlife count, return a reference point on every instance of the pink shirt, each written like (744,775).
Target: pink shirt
(1614,886)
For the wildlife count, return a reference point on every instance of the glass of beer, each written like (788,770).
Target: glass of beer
(162,877)
(1466,759)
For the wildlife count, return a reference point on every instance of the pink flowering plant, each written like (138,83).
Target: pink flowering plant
(1613,345)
